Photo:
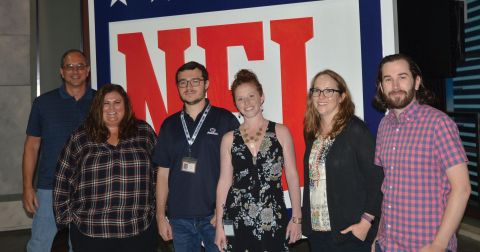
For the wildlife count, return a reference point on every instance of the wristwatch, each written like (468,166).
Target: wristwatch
(297,220)
(368,218)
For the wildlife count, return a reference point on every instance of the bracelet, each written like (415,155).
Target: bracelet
(367,218)
(297,220)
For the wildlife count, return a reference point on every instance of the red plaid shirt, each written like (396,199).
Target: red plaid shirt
(415,151)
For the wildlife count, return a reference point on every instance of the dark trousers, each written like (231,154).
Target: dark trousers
(145,241)
(322,241)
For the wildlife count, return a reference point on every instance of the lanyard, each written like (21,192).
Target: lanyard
(190,140)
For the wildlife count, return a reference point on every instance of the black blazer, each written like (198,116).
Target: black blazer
(353,181)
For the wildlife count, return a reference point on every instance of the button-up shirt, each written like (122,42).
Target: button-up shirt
(106,191)
(415,150)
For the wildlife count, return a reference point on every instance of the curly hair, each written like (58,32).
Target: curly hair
(422,95)
(312,127)
(94,124)
(245,76)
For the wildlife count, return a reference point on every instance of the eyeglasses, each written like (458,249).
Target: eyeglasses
(327,92)
(195,82)
(71,67)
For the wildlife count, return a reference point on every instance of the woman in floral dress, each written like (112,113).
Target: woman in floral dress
(251,212)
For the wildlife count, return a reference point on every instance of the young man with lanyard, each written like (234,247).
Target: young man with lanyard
(188,156)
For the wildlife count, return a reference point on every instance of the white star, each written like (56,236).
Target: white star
(114,1)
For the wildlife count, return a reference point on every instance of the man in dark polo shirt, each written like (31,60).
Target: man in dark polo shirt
(53,117)
(188,156)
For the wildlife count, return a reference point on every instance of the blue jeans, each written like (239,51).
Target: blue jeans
(44,228)
(188,233)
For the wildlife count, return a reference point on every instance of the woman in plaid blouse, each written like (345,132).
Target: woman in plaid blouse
(105,179)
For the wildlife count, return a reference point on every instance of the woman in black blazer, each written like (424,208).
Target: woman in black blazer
(342,196)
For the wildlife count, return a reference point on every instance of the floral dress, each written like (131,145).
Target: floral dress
(255,201)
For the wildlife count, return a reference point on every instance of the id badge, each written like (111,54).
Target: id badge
(189,164)
(228,228)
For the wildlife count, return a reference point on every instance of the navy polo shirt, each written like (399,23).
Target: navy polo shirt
(193,194)
(54,116)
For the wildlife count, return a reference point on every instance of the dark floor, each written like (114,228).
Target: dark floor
(14,241)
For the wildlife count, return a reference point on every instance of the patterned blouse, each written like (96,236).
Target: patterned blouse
(318,184)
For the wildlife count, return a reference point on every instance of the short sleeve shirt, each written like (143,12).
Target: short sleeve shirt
(54,116)
(415,151)
(192,194)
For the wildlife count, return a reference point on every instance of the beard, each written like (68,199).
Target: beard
(399,102)
(195,101)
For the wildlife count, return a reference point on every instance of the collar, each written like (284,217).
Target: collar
(65,95)
(201,112)
(409,114)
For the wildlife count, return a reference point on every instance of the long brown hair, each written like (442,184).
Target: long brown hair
(94,124)
(422,95)
(312,127)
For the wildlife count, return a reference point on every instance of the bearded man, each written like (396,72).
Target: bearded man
(426,185)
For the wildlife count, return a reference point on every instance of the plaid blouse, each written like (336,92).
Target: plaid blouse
(415,151)
(106,191)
